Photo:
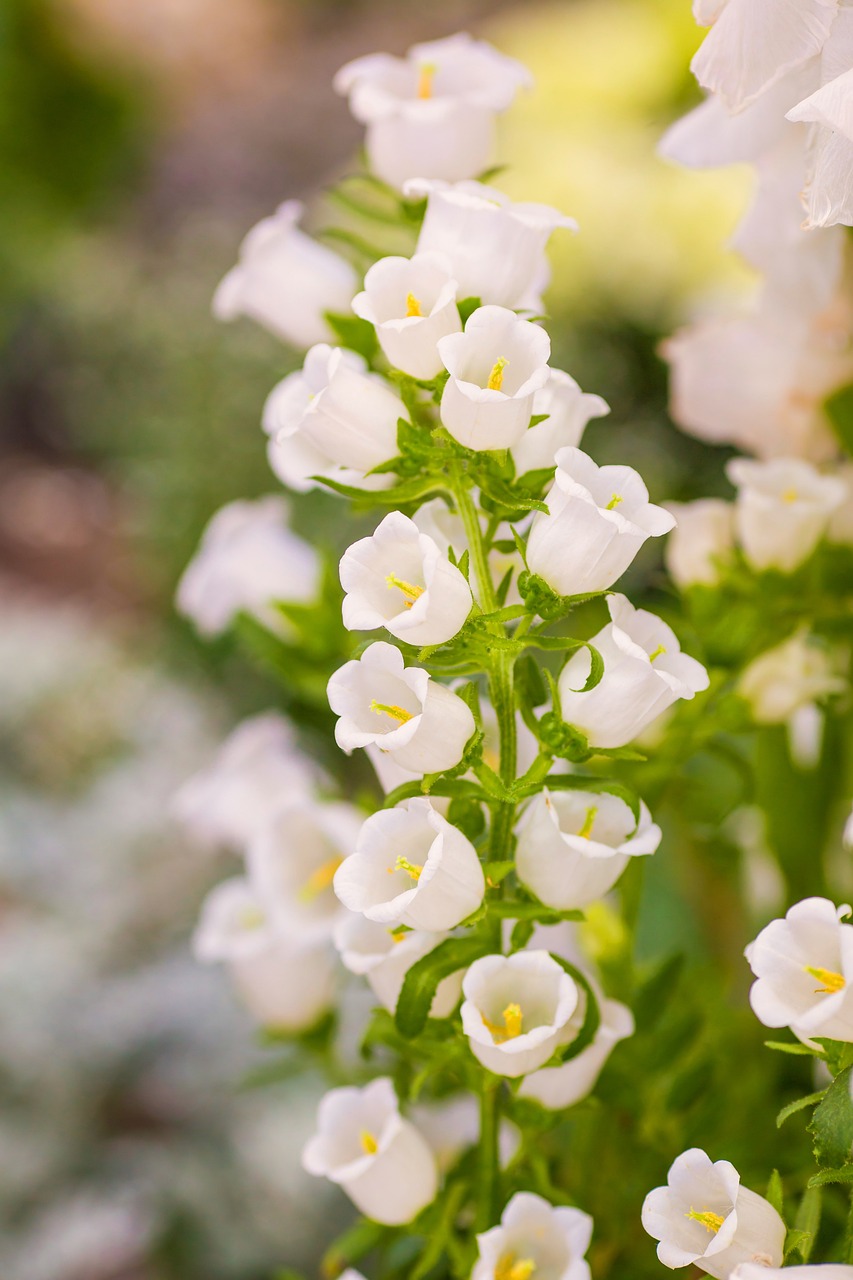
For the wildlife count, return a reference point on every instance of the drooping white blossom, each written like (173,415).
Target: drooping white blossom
(829,192)
(432,113)
(400,709)
(559,1087)
(568,411)
(412,303)
(535,1238)
(598,518)
(703,1217)
(247,560)
(782,509)
(286,281)
(399,579)
(374,951)
(574,845)
(517,1010)
(793,674)
(645,672)
(376,1156)
(412,867)
(804,970)
(701,544)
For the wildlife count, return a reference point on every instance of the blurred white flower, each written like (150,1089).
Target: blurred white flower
(383,957)
(795,673)
(286,281)
(828,196)
(559,1087)
(569,410)
(452,1124)
(412,303)
(702,542)
(782,509)
(534,1238)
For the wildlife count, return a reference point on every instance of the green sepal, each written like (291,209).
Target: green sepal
(800,1105)
(592,1014)
(421,982)
(774,1194)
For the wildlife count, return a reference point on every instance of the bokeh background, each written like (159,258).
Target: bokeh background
(138,142)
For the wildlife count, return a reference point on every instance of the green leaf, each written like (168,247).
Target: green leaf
(656,992)
(795,1242)
(529,682)
(839,409)
(793,1047)
(592,1015)
(534,422)
(505,497)
(827,1176)
(353,332)
(774,1193)
(832,1124)
(801,1103)
(808,1220)
(522,932)
(498,871)
(520,909)
(421,982)
(351,1247)
(461,787)
(414,490)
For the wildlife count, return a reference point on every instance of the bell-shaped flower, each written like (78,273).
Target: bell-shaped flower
(285,982)
(535,1239)
(702,542)
(829,110)
(645,673)
(412,867)
(496,366)
(375,1155)
(821,1271)
(559,1087)
(804,970)
(383,957)
(401,709)
(432,113)
(517,1010)
(568,411)
(247,560)
(286,281)
(598,518)
(496,247)
(703,1217)
(400,579)
(412,303)
(782,509)
(574,845)
(791,675)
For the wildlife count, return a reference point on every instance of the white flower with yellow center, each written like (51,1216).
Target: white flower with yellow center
(701,544)
(517,1010)
(559,1087)
(412,867)
(598,519)
(496,366)
(400,709)
(574,845)
(804,970)
(412,303)
(568,411)
(400,579)
(703,1217)
(384,957)
(535,1241)
(782,509)
(286,281)
(373,1154)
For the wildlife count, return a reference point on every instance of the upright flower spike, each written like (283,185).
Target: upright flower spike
(598,518)
(535,1239)
(379,1159)
(496,247)
(645,672)
(400,580)
(412,303)
(804,970)
(782,510)
(703,1217)
(702,542)
(567,410)
(412,867)
(375,952)
(496,366)
(559,1087)
(286,281)
(517,1010)
(574,845)
(400,709)
(432,113)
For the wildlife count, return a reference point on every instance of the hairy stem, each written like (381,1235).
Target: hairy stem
(477,547)
(489,1172)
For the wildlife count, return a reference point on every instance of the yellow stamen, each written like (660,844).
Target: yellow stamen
(591,815)
(657,653)
(513,1018)
(511,1268)
(832,982)
(496,377)
(426,76)
(319,880)
(252,918)
(368,1143)
(395,712)
(411,868)
(413,306)
(409,590)
(614,502)
(710,1221)
(790,495)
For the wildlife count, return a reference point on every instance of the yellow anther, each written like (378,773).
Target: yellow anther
(591,815)
(426,76)
(252,918)
(413,306)
(369,1145)
(496,377)
(511,1268)
(657,653)
(710,1221)
(790,495)
(319,880)
(614,502)
(411,868)
(395,712)
(409,590)
(832,982)
(512,1021)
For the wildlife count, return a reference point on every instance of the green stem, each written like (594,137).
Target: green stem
(502,691)
(476,546)
(487,1185)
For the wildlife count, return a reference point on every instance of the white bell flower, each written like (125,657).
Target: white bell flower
(376,1156)
(410,866)
(399,579)
(432,113)
(257,767)
(286,281)
(820,1271)
(496,246)
(496,366)
(535,1239)
(374,951)
(451,1125)
(702,542)
(645,673)
(285,982)
(399,708)
(412,303)
(574,845)
(789,676)
(828,197)
(247,560)
(569,410)
(559,1087)
(804,970)
(517,1010)
(782,509)
(598,518)
(703,1217)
